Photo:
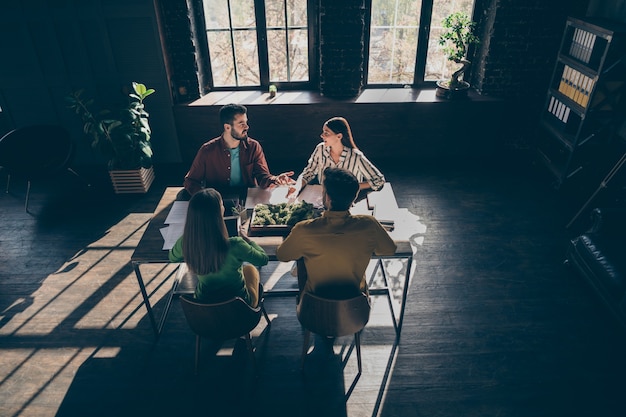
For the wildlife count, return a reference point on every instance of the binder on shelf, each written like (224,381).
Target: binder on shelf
(575,45)
(563,83)
(587,86)
(577,82)
(589,43)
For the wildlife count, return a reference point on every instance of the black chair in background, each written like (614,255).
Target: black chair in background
(36,152)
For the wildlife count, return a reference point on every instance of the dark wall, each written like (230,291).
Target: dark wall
(49,49)
(613,9)
(388,133)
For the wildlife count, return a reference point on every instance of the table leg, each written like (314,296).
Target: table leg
(386,290)
(405,292)
(146,299)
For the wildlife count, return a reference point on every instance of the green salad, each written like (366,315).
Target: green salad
(282,213)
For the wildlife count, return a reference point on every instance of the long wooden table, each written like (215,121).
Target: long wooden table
(150,250)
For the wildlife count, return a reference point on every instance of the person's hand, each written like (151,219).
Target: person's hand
(285,179)
(243,233)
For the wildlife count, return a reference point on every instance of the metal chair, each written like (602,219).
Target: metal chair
(333,318)
(223,321)
(35,152)
(335,311)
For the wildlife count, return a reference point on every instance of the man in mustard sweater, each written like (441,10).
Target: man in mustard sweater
(337,247)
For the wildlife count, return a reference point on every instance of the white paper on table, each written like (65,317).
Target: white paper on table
(360,208)
(171,234)
(178,212)
(275,195)
(312,194)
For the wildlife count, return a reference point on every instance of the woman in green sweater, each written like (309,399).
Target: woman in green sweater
(216,258)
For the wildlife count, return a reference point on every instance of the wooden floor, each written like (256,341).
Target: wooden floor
(495,325)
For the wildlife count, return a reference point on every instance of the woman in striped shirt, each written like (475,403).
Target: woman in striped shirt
(337,149)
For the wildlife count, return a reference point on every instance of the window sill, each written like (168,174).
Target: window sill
(370,95)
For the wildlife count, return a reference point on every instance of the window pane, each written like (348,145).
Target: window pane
(299,55)
(437,65)
(275,13)
(287,42)
(404,56)
(380,55)
(297,13)
(393,41)
(277,55)
(408,13)
(221,58)
(247,58)
(242,13)
(216,14)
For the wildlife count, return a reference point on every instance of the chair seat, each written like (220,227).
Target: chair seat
(222,321)
(333,317)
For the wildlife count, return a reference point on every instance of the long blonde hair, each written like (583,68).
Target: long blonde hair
(205,237)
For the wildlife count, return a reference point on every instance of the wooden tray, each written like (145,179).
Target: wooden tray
(267,230)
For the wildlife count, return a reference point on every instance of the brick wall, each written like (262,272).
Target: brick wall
(342,48)
(176,31)
(519,42)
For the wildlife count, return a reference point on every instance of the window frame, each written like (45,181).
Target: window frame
(204,61)
(423,38)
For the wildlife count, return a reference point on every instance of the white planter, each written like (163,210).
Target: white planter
(132,181)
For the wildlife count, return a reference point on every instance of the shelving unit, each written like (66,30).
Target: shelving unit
(585,101)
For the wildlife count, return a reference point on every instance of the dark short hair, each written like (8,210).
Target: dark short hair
(229,111)
(341,187)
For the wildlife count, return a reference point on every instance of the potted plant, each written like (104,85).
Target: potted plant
(122,137)
(456,38)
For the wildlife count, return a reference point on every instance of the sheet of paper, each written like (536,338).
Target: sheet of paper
(312,194)
(274,195)
(360,208)
(171,234)
(177,213)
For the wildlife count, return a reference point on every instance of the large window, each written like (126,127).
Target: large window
(254,43)
(403,40)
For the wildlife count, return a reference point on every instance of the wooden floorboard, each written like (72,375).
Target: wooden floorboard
(495,324)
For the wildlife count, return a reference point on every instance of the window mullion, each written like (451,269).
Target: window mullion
(261,27)
(287,40)
(232,43)
(422,41)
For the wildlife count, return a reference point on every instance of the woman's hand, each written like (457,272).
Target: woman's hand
(284,179)
(243,233)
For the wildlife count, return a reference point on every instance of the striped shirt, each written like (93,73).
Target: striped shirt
(351,159)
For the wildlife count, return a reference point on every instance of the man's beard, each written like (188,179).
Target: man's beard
(243,137)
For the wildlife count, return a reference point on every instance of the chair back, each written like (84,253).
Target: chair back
(220,321)
(37,150)
(333,317)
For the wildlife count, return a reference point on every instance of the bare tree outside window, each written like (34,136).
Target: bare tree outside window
(393,41)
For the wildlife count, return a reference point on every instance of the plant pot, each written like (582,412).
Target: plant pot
(132,181)
(459,91)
